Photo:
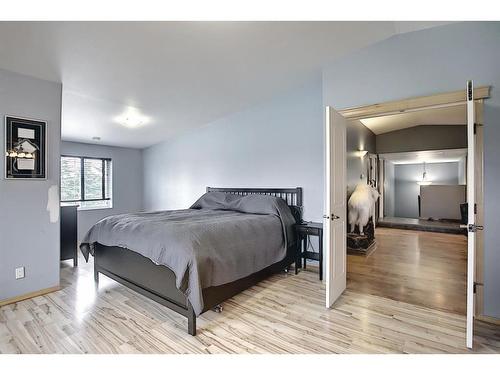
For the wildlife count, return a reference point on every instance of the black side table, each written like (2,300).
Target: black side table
(303,230)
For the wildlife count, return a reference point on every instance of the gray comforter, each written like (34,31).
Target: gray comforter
(220,239)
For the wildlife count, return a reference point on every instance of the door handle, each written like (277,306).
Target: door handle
(332,216)
(471,227)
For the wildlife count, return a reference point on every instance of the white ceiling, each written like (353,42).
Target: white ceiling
(178,74)
(418,157)
(455,115)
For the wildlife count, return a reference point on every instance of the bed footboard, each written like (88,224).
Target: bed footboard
(158,282)
(143,276)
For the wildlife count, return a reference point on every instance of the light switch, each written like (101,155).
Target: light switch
(19,273)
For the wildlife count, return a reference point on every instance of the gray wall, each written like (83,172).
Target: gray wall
(278,143)
(27,237)
(406,189)
(127,180)
(389,186)
(428,62)
(423,137)
(359,137)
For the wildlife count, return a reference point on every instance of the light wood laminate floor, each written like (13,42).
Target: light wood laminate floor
(284,314)
(421,268)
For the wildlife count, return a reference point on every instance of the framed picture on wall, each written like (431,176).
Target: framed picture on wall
(25,148)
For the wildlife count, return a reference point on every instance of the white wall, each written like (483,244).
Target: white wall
(127,180)
(27,237)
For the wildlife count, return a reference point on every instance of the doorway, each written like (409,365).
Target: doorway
(405,239)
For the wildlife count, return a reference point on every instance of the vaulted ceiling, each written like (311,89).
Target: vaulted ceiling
(453,115)
(174,76)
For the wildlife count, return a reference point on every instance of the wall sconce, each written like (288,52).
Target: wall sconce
(362,154)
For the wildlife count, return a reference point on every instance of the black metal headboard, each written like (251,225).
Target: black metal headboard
(292,196)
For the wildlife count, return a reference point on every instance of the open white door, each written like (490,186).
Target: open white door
(471,222)
(336,206)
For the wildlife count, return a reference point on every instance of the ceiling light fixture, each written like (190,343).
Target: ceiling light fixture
(132,118)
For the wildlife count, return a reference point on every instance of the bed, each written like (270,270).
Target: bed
(162,284)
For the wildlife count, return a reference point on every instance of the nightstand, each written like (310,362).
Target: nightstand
(303,231)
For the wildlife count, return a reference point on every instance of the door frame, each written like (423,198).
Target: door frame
(413,104)
(441,101)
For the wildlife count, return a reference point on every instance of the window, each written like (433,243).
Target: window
(86,181)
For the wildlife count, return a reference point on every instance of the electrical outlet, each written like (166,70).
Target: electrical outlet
(19,273)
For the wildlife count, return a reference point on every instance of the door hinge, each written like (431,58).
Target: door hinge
(476,285)
(469,90)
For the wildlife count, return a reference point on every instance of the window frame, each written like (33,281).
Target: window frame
(82,180)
